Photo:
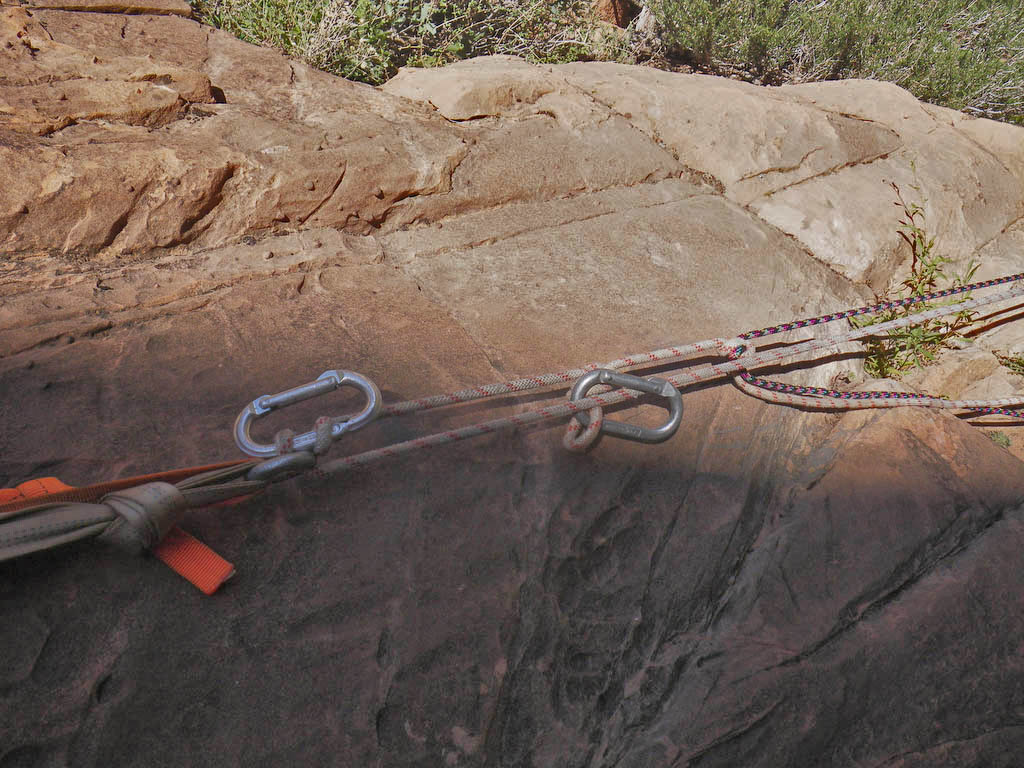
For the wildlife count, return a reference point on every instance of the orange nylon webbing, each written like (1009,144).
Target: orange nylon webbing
(187,556)
(179,550)
(14,499)
(31,489)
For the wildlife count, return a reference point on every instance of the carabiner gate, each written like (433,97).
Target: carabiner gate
(328,381)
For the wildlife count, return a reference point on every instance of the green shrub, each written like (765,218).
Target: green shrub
(964,54)
(282,24)
(918,345)
(369,41)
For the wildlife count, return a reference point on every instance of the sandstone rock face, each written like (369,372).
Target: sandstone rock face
(812,160)
(198,222)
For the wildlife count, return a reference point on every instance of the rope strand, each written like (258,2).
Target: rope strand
(741,354)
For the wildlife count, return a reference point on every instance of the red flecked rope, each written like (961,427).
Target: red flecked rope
(991,408)
(528,383)
(741,356)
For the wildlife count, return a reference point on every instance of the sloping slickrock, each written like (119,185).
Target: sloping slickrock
(754,146)
(813,160)
(751,140)
(667,282)
(519,159)
(771,587)
(969,194)
(1002,140)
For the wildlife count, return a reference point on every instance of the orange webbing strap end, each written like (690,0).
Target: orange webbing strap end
(188,557)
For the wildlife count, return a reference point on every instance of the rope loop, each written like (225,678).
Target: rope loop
(580,439)
(736,348)
(283,441)
(322,428)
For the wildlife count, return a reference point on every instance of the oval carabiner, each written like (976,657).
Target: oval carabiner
(328,381)
(651,386)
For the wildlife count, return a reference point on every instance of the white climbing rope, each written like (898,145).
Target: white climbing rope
(745,358)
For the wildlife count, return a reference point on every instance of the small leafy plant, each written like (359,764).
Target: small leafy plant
(1014,363)
(1000,438)
(901,349)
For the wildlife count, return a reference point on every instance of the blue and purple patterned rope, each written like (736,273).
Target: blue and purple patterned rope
(882,307)
(792,389)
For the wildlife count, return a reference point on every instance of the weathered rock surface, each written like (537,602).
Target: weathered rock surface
(156,7)
(197,222)
(813,160)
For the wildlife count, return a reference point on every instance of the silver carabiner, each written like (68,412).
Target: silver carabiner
(328,381)
(651,386)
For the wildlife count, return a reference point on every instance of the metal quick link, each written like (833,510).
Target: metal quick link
(327,430)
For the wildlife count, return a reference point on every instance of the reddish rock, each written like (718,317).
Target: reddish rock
(44,109)
(200,222)
(617,12)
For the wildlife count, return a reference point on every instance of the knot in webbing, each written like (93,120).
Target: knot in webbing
(145,514)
